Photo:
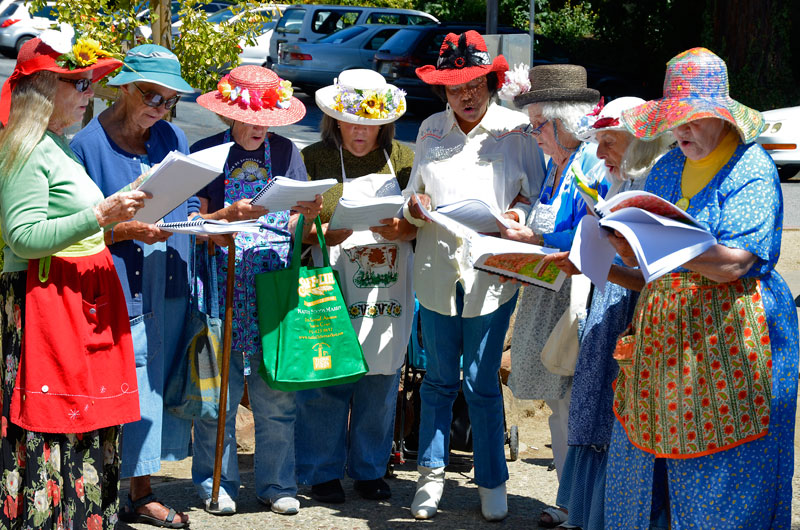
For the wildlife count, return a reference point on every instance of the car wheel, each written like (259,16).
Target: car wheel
(787,171)
(21,41)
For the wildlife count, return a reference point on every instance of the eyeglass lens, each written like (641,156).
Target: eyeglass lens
(81,85)
(155,100)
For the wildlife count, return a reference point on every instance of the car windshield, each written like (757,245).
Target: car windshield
(401,42)
(46,12)
(291,21)
(343,35)
(221,16)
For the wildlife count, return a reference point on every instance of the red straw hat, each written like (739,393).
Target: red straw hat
(462,58)
(254,95)
(53,53)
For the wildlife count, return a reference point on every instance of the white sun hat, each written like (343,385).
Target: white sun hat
(362,96)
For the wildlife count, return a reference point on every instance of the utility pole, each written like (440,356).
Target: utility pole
(491,17)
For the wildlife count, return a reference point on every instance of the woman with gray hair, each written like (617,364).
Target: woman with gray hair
(581,490)
(556,103)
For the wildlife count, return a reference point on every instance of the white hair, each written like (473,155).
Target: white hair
(641,155)
(569,113)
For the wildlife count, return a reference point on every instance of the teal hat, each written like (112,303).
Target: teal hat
(153,64)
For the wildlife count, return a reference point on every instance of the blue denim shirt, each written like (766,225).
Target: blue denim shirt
(113,169)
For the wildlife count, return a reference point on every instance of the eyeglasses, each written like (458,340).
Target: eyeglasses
(155,100)
(472,86)
(538,130)
(81,85)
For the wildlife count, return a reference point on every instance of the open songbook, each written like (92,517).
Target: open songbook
(514,259)
(360,214)
(661,235)
(472,213)
(176,178)
(210,226)
(283,193)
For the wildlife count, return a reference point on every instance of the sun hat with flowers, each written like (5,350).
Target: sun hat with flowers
(155,64)
(462,58)
(606,118)
(254,95)
(695,87)
(362,96)
(53,51)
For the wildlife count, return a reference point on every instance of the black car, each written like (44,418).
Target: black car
(412,47)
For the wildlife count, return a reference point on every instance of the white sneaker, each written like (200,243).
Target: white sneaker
(494,505)
(225,506)
(285,506)
(429,492)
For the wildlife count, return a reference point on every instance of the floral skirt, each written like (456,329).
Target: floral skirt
(50,480)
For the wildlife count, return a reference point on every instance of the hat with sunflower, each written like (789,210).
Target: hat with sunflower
(362,96)
(254,95)
(53,51)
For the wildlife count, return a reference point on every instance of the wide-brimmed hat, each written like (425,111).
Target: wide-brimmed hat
(53,51)
(362,96)
(155,64)
(462,58)
(695,87)
(558,82)
(254,95)
(606,118)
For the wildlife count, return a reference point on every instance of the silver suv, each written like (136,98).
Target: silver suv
(307,22)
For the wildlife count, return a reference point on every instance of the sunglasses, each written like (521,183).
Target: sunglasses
(155,100)
(81,85)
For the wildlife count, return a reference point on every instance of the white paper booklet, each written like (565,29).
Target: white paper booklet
(210,226)
(283,193)
(514,259)
(474,214)
(661,235)
(360,214)
(178,177)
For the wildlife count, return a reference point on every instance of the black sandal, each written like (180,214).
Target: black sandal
(130,515)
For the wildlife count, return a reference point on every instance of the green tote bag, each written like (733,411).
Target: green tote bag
(306,334)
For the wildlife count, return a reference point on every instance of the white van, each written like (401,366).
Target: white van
(309,22)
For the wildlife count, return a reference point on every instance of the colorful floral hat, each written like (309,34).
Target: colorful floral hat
(362,96)
(695,87)
(557,82)
(462,58)
(606,118)
(254,95)
(53,51)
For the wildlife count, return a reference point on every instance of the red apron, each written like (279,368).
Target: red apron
(76,371)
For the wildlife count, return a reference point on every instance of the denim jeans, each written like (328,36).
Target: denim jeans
(480,340)
(327,445)
(158,435)
(274,418)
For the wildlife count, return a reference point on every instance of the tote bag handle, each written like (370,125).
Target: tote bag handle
(298,243)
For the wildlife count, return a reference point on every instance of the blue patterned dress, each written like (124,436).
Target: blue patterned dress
(750,485)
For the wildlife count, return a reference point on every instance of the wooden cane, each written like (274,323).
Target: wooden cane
(226,365)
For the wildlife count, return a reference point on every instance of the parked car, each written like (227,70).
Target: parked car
(310,65)
(781,139)
(412,47)
(18,25)
(257,54)
(307,22)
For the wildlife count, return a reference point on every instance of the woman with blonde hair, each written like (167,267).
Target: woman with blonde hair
(69,379)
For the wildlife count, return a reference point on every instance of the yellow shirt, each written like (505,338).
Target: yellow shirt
(698,173)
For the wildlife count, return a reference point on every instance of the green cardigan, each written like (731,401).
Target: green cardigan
(323,162)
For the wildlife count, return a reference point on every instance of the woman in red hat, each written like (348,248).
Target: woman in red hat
(475,149)
(249,100)
(71,382)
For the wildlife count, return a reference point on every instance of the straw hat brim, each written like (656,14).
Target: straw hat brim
(654,118)
(458,76)
(324,98)
(574,95)
(238,111)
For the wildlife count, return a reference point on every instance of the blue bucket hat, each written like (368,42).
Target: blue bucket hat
(153,64)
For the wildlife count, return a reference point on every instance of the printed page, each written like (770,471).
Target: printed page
(644,201)
(514,259)
(475,214)
(363,213)
(591,251)
(177,178)
(284,193)
(210,226)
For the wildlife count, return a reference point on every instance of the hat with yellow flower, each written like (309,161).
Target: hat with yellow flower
(254,95)
(53,51)
(695,87)
(362,96)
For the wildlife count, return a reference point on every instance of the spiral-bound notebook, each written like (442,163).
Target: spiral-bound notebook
(283,193)
(210,226)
